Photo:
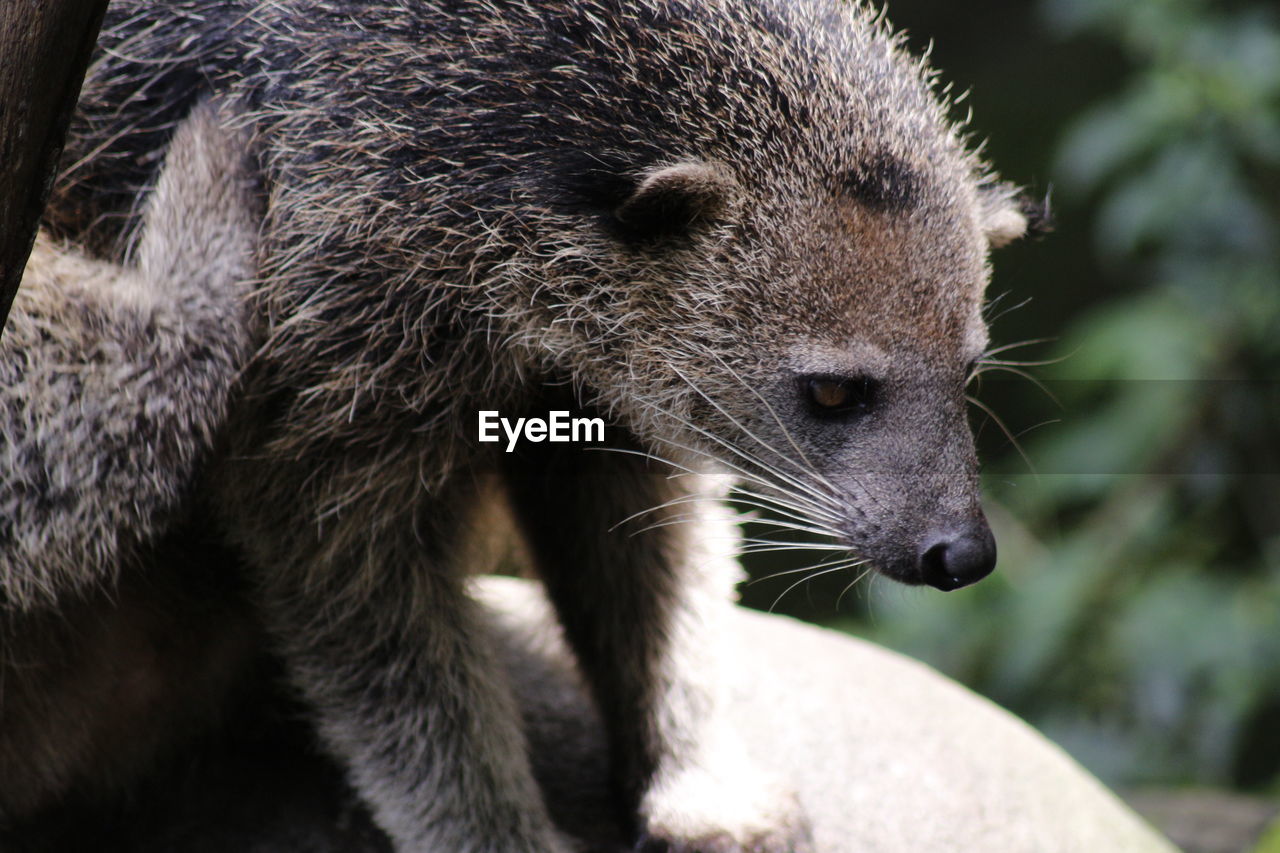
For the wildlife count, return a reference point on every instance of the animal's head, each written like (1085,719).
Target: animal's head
(822,351)
(799,290)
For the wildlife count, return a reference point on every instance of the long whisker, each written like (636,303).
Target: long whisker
(750,458)
(985,367)
(684,469)
(757,540)
(819,546)
(992,319)
(785,572)
(764,503)
(803,510)
(802,524)
(805,506)
(736,468)
(1016,345)
(645,454)
(808,509)
(786,525)
(836,568)
(764,444)
(721,409)
(786,433)
(1021,363)
(852,584)
(676,501)
(789,546)
(1012,438)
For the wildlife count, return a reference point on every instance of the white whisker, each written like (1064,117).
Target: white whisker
(816,574)
(803,513)
(797,505)
(788,546)
(851,585)
(751,435)
(784,572)
(828,500)
(786,433)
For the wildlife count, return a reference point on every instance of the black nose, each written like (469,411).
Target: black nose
(958,557)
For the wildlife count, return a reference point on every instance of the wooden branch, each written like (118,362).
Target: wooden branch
(45,47)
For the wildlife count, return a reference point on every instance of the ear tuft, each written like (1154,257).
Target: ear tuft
(673,200)
(1008,214)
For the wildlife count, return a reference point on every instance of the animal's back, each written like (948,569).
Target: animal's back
(417,154)
(428,105)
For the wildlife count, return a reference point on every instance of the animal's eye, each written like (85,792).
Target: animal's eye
(838,396)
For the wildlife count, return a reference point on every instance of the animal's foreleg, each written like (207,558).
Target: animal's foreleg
(640,595)
(395,662)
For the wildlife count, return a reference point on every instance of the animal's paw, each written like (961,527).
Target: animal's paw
(696,812)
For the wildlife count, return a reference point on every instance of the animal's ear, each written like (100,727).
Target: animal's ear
(1008,214)
(671,200)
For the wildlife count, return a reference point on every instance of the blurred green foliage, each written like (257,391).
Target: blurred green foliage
(1270,841)
(1135,614)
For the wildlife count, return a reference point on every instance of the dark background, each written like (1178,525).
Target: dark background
(1135,613)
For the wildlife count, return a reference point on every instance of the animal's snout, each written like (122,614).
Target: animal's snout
(958,556)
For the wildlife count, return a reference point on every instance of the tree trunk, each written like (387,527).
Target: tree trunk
(44,49)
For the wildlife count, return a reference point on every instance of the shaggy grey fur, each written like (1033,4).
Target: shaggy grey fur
(677,215)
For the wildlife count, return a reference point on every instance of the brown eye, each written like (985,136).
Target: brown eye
(838,396)
(828,394)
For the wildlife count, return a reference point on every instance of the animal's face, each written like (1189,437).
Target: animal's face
(859,407)
(821,352)
(873,446)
